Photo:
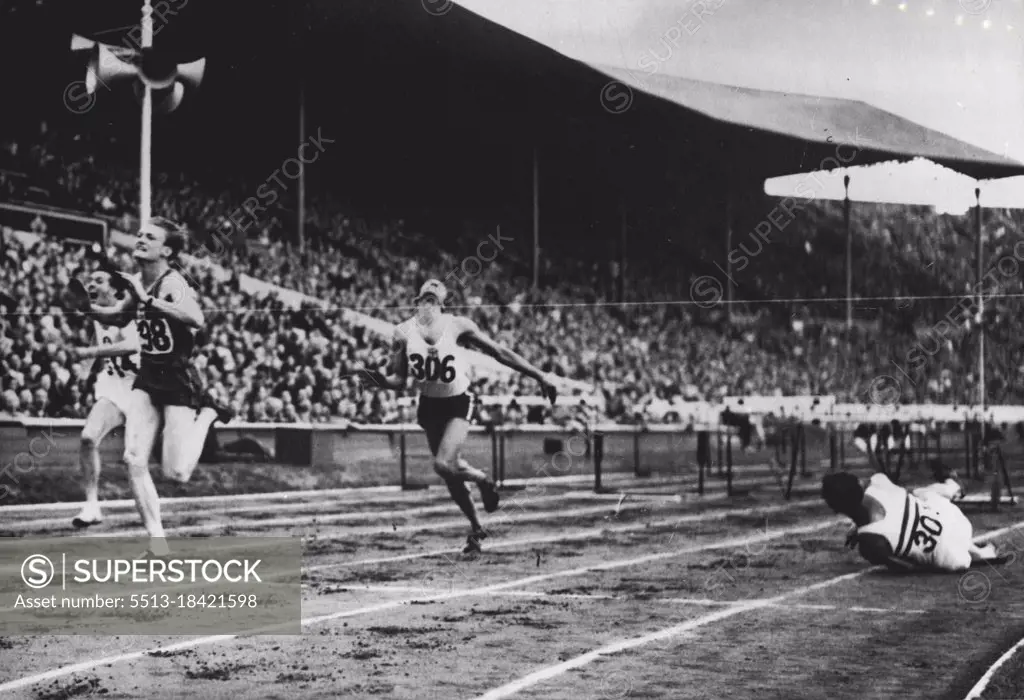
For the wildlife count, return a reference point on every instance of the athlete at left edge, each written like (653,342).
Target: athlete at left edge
(167,389)
(117,353)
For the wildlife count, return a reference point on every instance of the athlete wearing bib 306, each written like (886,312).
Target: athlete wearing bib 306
(440,371)
(893,527)
(427,350)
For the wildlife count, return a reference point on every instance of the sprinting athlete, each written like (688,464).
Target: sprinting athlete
(427,349)
(922,530)
(167,386)
(118,349)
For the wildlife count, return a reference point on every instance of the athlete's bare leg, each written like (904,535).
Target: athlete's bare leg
(456,486)
(142,425)
(950,489)
(104,417)
(185,433)
(456,472)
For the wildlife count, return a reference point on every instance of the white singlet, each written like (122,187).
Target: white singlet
(117,374)
(440,370)
(925,529)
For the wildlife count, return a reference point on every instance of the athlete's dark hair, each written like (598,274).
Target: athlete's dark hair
(842,492)
(174,234)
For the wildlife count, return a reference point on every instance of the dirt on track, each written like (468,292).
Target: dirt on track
(413,618)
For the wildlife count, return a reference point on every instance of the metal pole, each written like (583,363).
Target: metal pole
(728,459)
(728,256)
(302,169)
(849,253)
(621,282)
(145,161)
(402,458)
(636,453)
(981,301)
(536,220)
(494,454)
(501,457)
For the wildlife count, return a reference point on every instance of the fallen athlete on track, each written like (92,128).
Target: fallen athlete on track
(921,530)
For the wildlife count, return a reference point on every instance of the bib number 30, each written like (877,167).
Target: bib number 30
(431,369)
(927,536)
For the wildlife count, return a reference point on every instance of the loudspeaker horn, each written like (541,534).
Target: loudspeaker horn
(110,65)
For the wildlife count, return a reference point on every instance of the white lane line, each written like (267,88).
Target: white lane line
(980,687)
(590,533)
(350,494)
(321,518)
(355,493)
(702,602)
(549,672)
(705,516)
(313,520)
(400,511)
(390,605)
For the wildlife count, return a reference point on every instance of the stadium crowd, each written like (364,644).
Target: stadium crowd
(281,364)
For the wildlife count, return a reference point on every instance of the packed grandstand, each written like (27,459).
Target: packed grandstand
(642,356)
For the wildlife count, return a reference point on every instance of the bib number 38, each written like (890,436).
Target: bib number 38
(432,369)
(155,336)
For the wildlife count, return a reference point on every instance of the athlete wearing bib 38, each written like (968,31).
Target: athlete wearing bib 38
(427,350)
(167,387)
(922,530)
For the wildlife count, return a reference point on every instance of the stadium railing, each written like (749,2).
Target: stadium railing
(332,445)
(372,452)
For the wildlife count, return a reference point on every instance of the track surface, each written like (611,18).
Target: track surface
(578,595)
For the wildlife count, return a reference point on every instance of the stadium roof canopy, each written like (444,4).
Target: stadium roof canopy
(444,110)
(821,122)
(762,134)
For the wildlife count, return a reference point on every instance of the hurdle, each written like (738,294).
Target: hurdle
(982,453)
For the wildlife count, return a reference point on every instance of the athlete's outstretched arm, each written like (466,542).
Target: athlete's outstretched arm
(877,550)
(128,345)
(119,314)
(184,307)
(472,335)
(397,367)
(121,349)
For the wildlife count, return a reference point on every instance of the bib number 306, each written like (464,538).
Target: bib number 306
(155,336)
(431,369)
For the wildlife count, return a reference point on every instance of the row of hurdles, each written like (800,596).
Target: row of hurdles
(891,436)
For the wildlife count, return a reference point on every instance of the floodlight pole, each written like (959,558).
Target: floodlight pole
(728,253)
(849,253)
(536,219)
(302,168)
(145,160)
(981,300)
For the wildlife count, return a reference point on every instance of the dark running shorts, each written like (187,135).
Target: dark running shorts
(864,431)
(437,412)
(171,386)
